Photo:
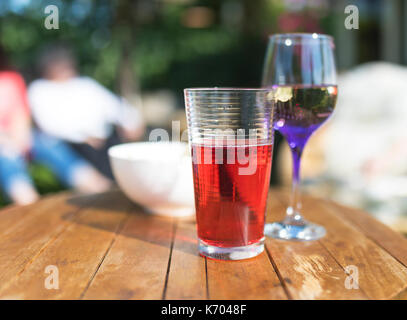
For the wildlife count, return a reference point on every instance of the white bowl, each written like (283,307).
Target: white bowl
(156,175)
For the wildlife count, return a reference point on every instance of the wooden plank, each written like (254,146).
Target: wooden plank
(380,275)
(136,265)
(307,269)
(76,252)
(401,296)
(187,274)
(21,246)
(254,278)
(103,251)
(14,216)
(309,272)
(11,215)
(392,242)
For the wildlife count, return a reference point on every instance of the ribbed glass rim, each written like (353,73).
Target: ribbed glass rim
(226,89)
(299,36)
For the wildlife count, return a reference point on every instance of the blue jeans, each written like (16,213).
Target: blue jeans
(53,153)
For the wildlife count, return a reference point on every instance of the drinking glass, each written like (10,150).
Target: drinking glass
(231,138)
(300,69)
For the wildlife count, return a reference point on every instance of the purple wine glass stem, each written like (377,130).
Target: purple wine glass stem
(293,211)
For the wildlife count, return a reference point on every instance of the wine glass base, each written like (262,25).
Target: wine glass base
(305,232)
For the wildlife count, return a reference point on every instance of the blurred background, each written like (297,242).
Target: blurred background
(147,51)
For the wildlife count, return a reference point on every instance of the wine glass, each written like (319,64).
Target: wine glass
(300,69)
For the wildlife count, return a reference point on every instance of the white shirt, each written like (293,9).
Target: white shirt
(78,109)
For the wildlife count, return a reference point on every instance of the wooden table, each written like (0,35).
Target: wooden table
(104,247)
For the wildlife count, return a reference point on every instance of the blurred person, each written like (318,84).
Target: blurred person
(18,143)
(79,110)
(365,145)
(367,136)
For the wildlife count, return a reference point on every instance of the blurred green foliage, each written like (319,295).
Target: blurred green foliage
(44,179)
(164,52)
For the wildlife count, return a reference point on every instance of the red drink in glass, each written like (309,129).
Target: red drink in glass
(231,136)
(230,206)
